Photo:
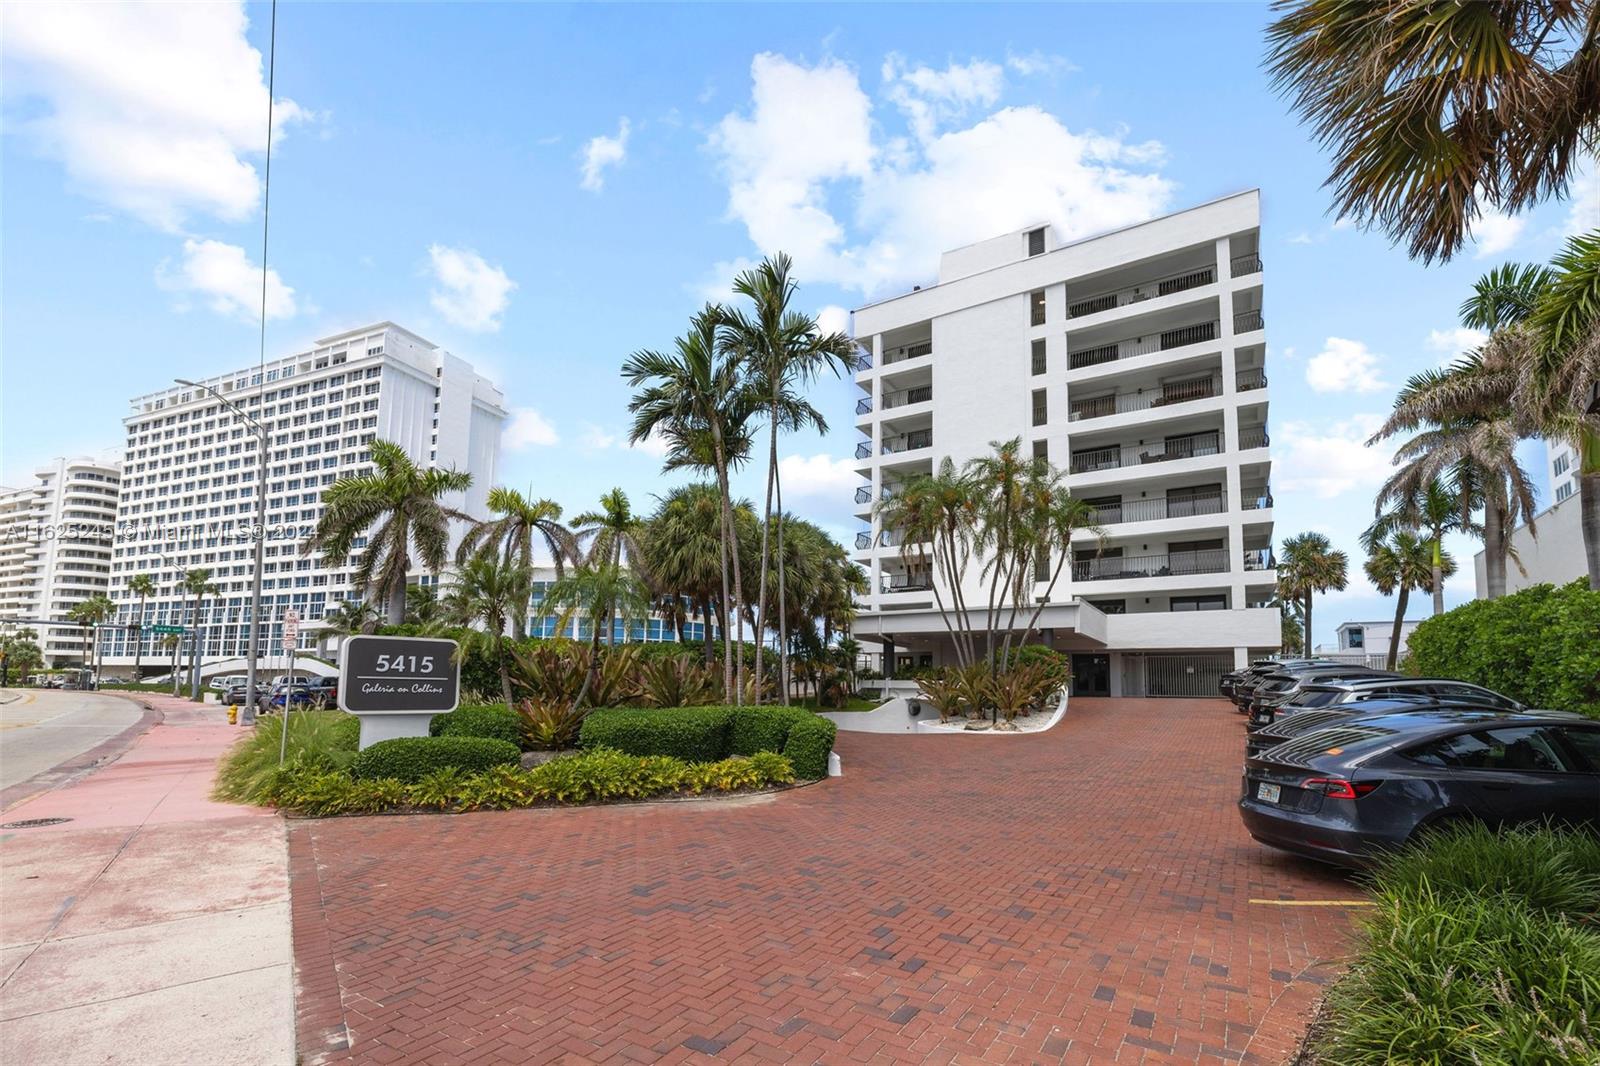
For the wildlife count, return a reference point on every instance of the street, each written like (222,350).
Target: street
(42,728)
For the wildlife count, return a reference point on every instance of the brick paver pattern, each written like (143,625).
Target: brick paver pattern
(1077,896)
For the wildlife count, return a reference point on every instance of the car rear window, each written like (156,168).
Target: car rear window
(1318,697)
(1529,748)
(1350,740)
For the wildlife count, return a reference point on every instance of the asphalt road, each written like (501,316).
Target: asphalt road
(41,729)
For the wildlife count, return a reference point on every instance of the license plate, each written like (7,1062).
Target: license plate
(1269,793)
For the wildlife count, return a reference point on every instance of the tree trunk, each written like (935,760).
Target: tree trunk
(593,669)
(505,680)
(731,648)
(395,610)
(766,533)
(138,642)
(1494,550)
(1438,575)
(1308,640)
(783,604)
(1589,521)
(706,622)
(1399,622)
(519,620)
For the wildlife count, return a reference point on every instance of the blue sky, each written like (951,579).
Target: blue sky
(543,189)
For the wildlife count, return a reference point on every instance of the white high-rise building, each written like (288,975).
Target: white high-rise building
(1135,361)
(1563,470)
(189,476)
(55,550)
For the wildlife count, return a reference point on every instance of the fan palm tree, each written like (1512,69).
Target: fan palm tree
(142,586)
(697,398)
(1307,565)
(615,536)
(399,509)
(683,548)
(783,350)
(1437,112)
(483,597)
(521,522)
(1398,563)
(1432,511)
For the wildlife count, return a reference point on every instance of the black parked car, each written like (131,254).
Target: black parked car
(1248,679)
(236,694)
(1350,790)
(1259,740)
(1336,692)
(1283,686)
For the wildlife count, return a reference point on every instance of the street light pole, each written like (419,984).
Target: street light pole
(259,536)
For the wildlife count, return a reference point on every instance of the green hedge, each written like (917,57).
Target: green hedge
(1540,646)
(408,759)
(496,723)
(708,734)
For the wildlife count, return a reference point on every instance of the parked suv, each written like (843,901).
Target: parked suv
(1284,686)
(1244,687)
(1356,788)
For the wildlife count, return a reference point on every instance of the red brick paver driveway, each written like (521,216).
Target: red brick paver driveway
(1080,896)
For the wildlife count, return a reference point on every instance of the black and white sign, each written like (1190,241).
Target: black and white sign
(398,675)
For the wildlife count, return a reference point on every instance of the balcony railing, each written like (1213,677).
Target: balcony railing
(1260,501)
(864,494)
(864,406)
(906,442)
(864,450)
(1149,290)
(1181,337)
(1161,396)
(863,541)
(1240,265)
(905,584)
(907,351)
(1246,380)
(1207,561)
(920,394)
(1174,448)
(863,360)
(1253,437)
(1259,559)
(1248,322)
(1158,509)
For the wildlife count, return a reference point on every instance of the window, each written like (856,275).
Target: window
(1041,410)
(1563,461)
(1587,740)
(1036,242)
(1039,360)
(1041,450)
(1199,603)
(1110,606)
(1530,749)
(1036,307)
(1355,637)
(1563,490)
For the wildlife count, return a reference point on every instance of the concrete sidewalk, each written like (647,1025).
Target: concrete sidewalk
(153,927)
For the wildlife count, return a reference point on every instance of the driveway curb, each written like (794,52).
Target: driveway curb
(106,751)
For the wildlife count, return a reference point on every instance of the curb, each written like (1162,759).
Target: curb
(82,764)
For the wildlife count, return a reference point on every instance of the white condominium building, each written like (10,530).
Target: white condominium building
(189,486)
(55,550)
(1563,469)
(1135,362)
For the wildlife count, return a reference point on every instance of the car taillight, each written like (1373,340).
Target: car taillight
(1338,788)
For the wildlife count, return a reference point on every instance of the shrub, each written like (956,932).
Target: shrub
(693,734)
(807,748)
(681,680)
(1540,646)
(408,759)
(756,729)
(496,723)
(323,739)
(1550,871)
(548,725)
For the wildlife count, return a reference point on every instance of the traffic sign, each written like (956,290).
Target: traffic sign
(398,675)
(291,629)
(167,629)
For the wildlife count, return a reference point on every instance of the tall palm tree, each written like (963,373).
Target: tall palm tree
(197,583)
(142,586)
(399,509)
(1004,531)
(697,398)
(784,351)
(90,613)
(522,520)
(1432,510)
(683,548)
(483,597)
(1307,565)
(938,511)
(615,535)
(1436,112)
(1396,564)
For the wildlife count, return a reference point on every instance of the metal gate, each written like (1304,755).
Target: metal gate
(1197,674)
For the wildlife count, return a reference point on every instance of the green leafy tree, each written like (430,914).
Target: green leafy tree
(615,536)
(1307,565)
(1435,113)
(142,586)
(91,613)
(1431,510)
(19,651)
(349,618)
(399,509)
(522,521)
(683,549)
(1396,564)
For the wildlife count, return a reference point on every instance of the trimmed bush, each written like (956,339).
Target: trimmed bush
(808,746)
(763,728)
(693,734)
(1540,646)
(409,759)
(496,723)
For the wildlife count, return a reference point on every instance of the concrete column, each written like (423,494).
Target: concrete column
(1241,658)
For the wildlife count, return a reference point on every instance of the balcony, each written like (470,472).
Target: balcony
(1181,337)
(864,405)
(1127,402)
(907,442)
(864,450)
(1149,290)
(1159,509)
(918,394)
(1243,265)
(1258,500)
(1249,380)
(864,494)
(1253,437)
(1259,559)
(1173,448)
(1248,322)
(1116,568)
(907,351)
(907,583)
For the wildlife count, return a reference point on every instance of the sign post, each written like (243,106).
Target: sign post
(291,637)
(395,685)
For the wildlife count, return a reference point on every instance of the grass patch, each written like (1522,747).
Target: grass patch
(854,703)
(322,740)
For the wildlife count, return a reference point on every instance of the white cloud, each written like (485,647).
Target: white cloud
(528,429)
(471,293)
(595,438)
(930,98)
(1037,62)
(1344,366)
(834,319)
(819,475)
(598,438)
(153,108)
(1493,233)
(1452,344)
(1583,213)
(602,152)
(1328,459)
(223,275)
(806,148)
(1302,238)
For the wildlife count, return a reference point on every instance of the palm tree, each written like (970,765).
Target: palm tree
(422,604)
(616,538)
(697,399)
(400,505)
(783,350)
(1435,113)
(197,583)
(1308,565)
(486,592)
(350,618)
(941,510)
(142,586)
(522,521)
(1432,510)
(90,613)
(598,588)
(683,549)
(1398,563)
